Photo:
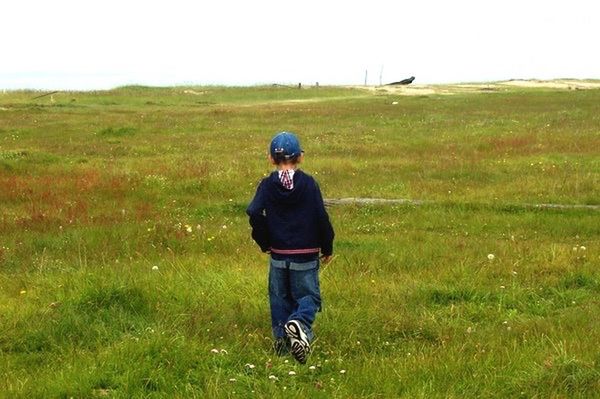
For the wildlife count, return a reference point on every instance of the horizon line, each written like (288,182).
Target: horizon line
(291,85)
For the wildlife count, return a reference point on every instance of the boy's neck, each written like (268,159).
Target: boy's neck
(283,167)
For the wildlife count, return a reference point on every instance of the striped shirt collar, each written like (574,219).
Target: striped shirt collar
(290,172)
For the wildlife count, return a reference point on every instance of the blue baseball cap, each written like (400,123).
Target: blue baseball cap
(285,144)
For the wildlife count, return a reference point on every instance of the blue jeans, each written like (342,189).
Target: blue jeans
(294,294)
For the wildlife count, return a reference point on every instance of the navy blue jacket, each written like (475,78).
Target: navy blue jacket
(290,223)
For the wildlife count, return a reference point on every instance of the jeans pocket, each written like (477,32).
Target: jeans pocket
(313,264)
(279,264)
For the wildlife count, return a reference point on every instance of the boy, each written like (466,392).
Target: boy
(289,221)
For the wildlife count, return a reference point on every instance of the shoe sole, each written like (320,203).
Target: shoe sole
(300,346)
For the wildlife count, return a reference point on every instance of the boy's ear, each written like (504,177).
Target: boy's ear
(271,160)
(301,157)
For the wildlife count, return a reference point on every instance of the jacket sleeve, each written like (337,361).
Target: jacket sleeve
(258,219)
(326,233)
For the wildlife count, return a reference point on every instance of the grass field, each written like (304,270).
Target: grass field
(127,268)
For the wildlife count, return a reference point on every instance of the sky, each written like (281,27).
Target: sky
(87,45)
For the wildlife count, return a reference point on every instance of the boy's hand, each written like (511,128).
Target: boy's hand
(325,259)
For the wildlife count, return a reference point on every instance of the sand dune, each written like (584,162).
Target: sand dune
(450,89)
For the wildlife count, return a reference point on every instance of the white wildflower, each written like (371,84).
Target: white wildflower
(491,256)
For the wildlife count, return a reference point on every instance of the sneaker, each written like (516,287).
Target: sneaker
(281,346)
(300,346)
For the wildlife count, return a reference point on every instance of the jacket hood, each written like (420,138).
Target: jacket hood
(281,194)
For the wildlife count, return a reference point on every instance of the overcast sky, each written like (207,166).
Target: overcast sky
(93,44)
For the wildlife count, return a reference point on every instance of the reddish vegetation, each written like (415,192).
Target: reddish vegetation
(144,211)
(195,170)
(523,145)
(62,198)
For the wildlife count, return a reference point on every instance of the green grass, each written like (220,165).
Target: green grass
(98,188)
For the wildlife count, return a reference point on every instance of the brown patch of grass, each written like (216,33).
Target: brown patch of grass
(144,211)
(192,170)
(542,143)
(62,198)
(88,180)
(522,145)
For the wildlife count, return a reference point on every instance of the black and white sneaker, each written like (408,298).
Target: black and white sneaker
(300,346)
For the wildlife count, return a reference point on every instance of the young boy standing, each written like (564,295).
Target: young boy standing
(289,221)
